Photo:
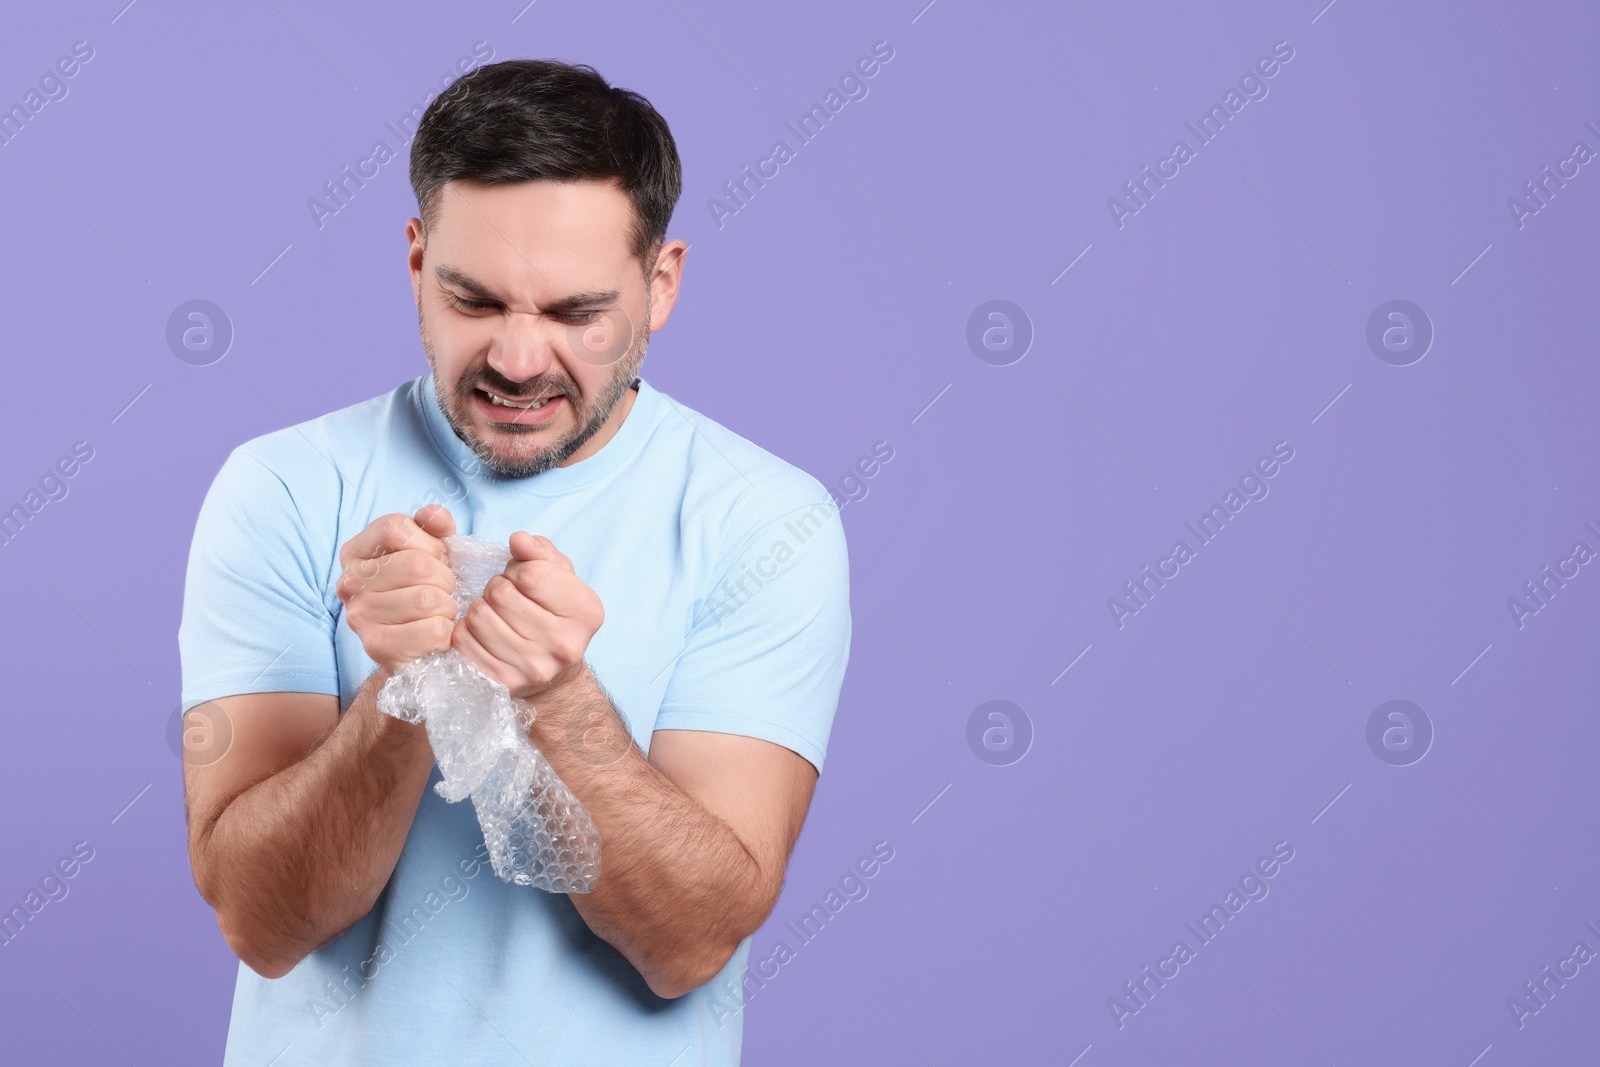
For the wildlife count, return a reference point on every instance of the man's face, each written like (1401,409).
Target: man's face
(534,316)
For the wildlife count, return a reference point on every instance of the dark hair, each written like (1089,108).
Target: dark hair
(539,119)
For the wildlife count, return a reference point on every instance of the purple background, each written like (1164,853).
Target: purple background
(824,317)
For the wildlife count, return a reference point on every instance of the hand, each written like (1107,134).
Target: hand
(396,586)
(532,625)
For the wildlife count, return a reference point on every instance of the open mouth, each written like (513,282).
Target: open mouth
(530,405)
(520,410)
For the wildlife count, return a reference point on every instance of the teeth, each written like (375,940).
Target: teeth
(532,406)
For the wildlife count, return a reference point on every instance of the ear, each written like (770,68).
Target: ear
(665,278)
(416,245)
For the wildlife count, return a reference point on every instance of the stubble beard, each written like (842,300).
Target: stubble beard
(456,401)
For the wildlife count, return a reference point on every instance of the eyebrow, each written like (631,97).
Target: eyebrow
(446,273)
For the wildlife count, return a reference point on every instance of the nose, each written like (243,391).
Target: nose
(524,348)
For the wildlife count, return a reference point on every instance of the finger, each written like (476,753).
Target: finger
(436,520)
(528,547)
(413,640)
(397,570)
(558,591)
(387,534)
(527,618)
(493,633)
(392,607)
(469,646)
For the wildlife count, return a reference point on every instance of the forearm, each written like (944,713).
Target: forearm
(295,859)
(678,890)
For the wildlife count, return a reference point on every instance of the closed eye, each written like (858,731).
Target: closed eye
(474,305)
(576,318)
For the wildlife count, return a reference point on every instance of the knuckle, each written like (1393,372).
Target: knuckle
(499,591)
(393,530)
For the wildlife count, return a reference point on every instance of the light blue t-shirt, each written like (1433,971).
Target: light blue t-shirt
(723,574)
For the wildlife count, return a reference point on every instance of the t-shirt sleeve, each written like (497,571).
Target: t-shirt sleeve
(255,613)
(765,656)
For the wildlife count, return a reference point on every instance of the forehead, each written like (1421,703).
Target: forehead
(541,233)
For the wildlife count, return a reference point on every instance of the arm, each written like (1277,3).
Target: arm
(295,829)
(694,839)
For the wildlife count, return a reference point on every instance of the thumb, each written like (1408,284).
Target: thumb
(436,521)
(529,547)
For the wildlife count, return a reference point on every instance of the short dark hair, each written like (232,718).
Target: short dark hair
(539,119)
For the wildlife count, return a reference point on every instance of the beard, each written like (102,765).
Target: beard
(591,414)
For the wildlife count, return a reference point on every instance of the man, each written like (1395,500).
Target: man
(691,724)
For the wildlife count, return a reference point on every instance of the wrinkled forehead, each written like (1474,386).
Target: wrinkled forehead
(535,240)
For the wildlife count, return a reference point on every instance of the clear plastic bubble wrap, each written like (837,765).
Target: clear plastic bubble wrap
(537,832)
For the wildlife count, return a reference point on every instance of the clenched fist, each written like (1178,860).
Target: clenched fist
(396,586)
(532,625)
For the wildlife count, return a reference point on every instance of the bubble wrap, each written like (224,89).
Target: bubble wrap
(537,832)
